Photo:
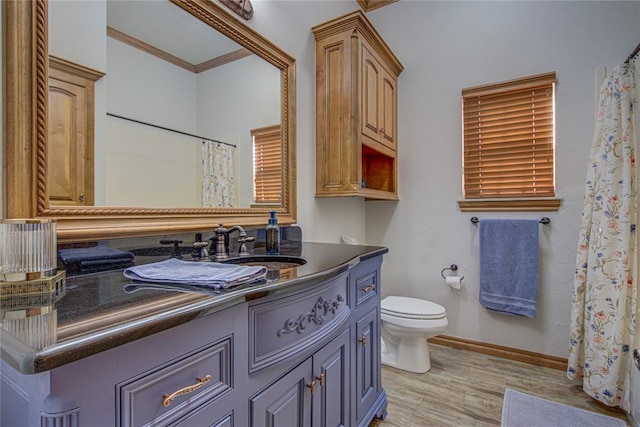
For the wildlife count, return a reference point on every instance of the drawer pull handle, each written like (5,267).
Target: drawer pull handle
(368,288)
(168,398)
(320,379)
(363,341)
(312,386)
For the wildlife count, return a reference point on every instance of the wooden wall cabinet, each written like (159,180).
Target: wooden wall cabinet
(356,110)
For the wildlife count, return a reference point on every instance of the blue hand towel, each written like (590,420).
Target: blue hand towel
(509,266)
(212,274)
(94,254)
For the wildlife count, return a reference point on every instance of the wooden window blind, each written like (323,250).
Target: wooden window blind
(267,164)
(508,133)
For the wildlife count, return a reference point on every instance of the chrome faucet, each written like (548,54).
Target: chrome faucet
(221,240)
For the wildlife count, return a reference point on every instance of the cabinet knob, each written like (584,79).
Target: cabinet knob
(368,288)
(312,386)
(168,398)
(320,379)
(363,341)
(81,197)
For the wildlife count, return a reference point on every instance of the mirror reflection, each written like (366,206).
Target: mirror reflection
(171,108)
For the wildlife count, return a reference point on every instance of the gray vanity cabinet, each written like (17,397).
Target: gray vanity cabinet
(300,349)
(306,355)
(183,376)
(339,383)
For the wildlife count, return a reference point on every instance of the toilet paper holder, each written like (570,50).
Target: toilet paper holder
(452,268)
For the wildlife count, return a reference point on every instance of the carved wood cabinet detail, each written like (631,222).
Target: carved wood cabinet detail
(356,110)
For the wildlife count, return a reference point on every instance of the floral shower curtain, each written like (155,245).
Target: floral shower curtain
(218,180)
(603,309)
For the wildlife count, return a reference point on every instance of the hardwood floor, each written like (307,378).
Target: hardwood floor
(465,389)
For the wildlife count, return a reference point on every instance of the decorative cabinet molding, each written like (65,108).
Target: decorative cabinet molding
(71,133)
(356,110)
(368,5)
(317,315)
(313,315)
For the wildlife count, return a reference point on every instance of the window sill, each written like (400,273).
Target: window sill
(533,204)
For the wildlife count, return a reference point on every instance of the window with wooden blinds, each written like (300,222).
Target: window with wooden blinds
(267,165)
(508,133)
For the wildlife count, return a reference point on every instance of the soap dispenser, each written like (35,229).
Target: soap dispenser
(273,235)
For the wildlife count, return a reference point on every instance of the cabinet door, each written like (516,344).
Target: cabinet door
(371,117)
(367,361)
(379,100)
(389,99)
(285,403)
(67,144)
(331,370)
(71,132)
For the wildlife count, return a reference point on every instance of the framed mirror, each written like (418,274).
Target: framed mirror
(28,177)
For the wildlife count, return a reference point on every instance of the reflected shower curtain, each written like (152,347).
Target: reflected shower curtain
(218,180)
(603,308)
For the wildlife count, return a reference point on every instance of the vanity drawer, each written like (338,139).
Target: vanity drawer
(283,327)
(366,287)
(171,391)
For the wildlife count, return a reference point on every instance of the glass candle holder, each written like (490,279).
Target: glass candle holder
(27,249)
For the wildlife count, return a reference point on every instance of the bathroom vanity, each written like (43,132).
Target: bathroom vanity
(301,349)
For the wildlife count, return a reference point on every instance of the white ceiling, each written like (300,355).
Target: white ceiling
(169,28)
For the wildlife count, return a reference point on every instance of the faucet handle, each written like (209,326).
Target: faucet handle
(200,250)
(177,253)
(243,248)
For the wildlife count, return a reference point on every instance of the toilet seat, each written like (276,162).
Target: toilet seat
(411,308)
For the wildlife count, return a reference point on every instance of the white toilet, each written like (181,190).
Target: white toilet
(406,325)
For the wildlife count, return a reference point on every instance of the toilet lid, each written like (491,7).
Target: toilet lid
(411,308)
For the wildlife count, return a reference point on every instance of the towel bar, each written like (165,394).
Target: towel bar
(544,220)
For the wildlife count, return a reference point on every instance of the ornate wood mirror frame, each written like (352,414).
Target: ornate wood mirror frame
(25,88)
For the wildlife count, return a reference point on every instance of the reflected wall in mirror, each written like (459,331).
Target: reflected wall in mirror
(195,102)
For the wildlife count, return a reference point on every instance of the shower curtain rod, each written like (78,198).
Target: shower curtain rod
(170,130)
(634,53)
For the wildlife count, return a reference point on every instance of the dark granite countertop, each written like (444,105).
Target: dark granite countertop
(103,310)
